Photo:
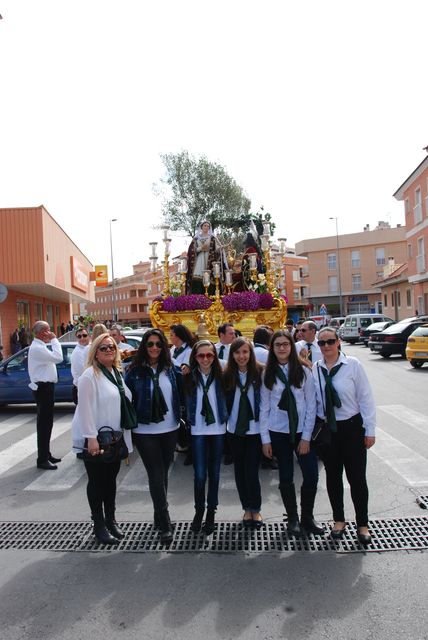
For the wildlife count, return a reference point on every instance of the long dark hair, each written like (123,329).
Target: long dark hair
(296,373)
(183,333)
(190,381)
(142,357)
(231,373)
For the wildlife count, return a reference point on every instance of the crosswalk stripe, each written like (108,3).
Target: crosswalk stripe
(409,464)
(17,452)
(69,472)
(15,421)
(410,417)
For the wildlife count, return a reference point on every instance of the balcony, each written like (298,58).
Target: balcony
(420,263)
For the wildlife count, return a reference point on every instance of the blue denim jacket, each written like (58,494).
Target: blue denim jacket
(221,403)
(138,380)
(230,397)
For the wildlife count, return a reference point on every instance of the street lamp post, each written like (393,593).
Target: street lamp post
(338,265)
(112,274)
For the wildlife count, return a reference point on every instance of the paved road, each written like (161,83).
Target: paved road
(318,595)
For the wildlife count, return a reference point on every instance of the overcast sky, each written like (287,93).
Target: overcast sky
(317,109)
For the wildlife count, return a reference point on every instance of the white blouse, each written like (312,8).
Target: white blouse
(231,424)
(201,428)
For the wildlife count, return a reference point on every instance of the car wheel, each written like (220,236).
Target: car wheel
(416,364)
(385,355)
(352,341)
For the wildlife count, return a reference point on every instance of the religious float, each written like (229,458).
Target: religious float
(213,285)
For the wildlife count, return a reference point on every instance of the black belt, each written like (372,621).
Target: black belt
(356,421)
(39,383)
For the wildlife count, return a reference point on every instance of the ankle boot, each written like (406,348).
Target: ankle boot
(307,501)
(197,520)
(156,520)
(288,495)
(101,532)
(209,522)
(111,523)
(165,534)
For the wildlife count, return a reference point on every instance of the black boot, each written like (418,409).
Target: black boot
(156,520)
(197,520)
(209,522)
(307,501)
(165,534)
(111,523)
(101,532)
(288,495)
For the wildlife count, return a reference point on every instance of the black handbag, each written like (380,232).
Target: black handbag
(112,444)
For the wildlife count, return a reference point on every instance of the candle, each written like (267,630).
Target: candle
(167,246)
(266,228)
(216,269)
(253,261)
(229,278)
(153,246)
(207,278)
(165,231)
(265,242)
(184,265)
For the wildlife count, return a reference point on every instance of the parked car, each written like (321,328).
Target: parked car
(373,328)
(417,346)
(394,339)
(14,378)
(355,322)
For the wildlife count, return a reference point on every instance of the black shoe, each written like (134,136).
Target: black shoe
(165,537)
(247,523)
(364,538)
(337,534)
(47,466)
(114,529)
(312,526)
(197,521)
(104,536)
(54,460)
(258,524)
(293,527)
(208,527)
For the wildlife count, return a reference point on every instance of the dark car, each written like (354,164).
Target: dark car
(393,340)
(14,378)
(373,328)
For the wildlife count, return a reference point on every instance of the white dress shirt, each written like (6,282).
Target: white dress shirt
(225,356)
(184,356)
(272,418)
(42,362)
(99,406)
(261,353)
(169,423)
(315,350)
(254,427)
(353,388)
(201,428)
(78,361)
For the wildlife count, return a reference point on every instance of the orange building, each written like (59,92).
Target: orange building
(46,275)
(297,284)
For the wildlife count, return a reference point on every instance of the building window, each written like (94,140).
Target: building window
(398,297)
(407,206)
(296,294)
(38,310)
(356,282)
(409,250)
(420,258)
(380,256)
(379,274)
(385,300)
(392,299)
(409,297)
(417,209)
(355,259)
(331,261)
(296,276)
(332,284)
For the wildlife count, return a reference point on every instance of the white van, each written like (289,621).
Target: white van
(350,331)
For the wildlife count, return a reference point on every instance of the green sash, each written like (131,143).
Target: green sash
(207,410)
(288,403)
(331,396)
(245,410)
(128,415)
(159,406)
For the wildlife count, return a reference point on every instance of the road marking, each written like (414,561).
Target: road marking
(410,417)
(15,421)
(69,472)
(407,463)
(17,452)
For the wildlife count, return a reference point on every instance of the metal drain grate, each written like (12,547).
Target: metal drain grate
(228,537)
(422,501)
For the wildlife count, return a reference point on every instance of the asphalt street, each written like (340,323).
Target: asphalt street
(205,595)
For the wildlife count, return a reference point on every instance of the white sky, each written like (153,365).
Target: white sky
(316,108)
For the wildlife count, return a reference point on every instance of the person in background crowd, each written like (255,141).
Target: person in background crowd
(345,401)
(261,340)
(99,406)
(297,335)
(116,334)
(15,345)
(62,328)
(289,325)
(98,330)
(287,419)
(182,341)
(43,376)
(226,335)
(207,415)
(242,381)
(156,395)
(79,357)
(24,337)
(307,348)
(70,326)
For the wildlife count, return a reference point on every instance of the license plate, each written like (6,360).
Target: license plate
(377,347)
(421,354)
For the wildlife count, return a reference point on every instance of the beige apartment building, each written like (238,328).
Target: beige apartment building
(343,268)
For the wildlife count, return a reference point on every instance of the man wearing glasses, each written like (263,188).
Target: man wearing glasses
(308,347)
(78,358)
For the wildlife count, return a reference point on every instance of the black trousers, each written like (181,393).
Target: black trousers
(348,451)
(157,454)
(247,452)
(45,400)
(101,488)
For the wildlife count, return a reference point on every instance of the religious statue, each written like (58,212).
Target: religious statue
(203,251)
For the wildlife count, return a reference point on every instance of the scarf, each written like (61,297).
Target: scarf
(128,415)
(159,407)
(207,410)
(245,410)
(179,350)
(288,403)
(331,396)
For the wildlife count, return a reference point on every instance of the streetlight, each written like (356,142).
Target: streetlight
(338,265)
(112,274)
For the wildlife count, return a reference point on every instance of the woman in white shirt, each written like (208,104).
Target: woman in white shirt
(287,417)
(242,381)
(100,405)
(345,401)
(78,358)
(182,341)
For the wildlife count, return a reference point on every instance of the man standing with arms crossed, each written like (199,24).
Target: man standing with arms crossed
(43,376)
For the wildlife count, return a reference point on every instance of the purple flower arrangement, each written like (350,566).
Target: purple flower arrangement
(191,302)
(247,301)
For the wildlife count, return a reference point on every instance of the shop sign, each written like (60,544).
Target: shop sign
(101,275)
(79,276)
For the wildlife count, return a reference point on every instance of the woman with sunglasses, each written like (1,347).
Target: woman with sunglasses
(207,414)
(99,406)
(242,381)
(287,417)
(152,380)
(78,358)
(345,401)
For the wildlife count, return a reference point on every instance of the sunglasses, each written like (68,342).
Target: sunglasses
(205,356)
(150,344)
(330,342)
(304,330)
(107,347)
(82,335)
